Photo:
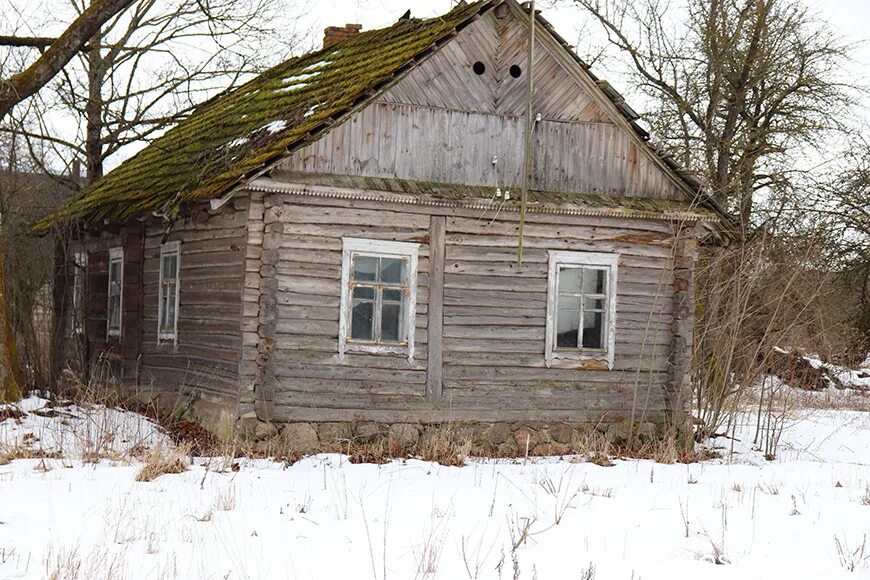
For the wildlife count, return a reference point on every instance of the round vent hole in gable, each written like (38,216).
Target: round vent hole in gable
(516,71)
(479,68)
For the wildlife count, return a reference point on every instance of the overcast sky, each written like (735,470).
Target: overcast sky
(848,18)
(851,18)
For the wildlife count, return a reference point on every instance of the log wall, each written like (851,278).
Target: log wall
(489,318)
(203,365)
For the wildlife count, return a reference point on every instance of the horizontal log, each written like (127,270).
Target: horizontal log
(349,360)
(629,363)
(533,376)
(338,374)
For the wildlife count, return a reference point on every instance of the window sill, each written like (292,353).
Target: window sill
(403,350)
(586,360)
(374,348)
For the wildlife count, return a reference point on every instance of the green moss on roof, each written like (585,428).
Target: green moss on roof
(235,135)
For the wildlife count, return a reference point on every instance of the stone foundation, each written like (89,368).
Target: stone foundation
(502,439)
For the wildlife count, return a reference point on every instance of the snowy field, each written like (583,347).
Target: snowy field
(804,515)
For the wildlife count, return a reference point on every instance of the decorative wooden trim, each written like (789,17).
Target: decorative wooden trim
(377,248)
(610,261)
(368,195)
(115,254)
(163,335)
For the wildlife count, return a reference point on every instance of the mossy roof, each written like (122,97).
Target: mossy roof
(233,136)
(236,136)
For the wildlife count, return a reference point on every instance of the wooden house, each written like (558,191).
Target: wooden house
(335,242)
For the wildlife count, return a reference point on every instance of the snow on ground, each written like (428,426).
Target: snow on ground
(325,518)
(76,431)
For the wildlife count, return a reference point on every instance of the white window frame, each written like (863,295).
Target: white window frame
(115,255)
(380,249)
(169,335)
(579,259)
(80,278)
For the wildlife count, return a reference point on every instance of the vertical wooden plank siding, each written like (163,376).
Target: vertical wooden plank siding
(463,121)
(437,229)
(385,140)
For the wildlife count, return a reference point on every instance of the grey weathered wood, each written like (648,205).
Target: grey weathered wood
(437,231)
(680,388)
(261,277)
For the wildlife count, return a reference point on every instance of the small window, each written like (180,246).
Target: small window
(116,291)
(80,269)
(167,304)
(581,306)
(515,71)
(378,297)
(479,68)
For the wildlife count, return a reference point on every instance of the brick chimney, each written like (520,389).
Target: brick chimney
(335,34)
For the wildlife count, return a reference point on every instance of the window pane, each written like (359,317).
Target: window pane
(593,330)
(170,265)
(162,325)
(115,271)
(361,320)
(594,281)
(363,293)
(567,324)
(569,280)
(391,322)
(115,311)
(569,302)
(393,270)
(170,308)
(392,295)
(365,268)
(595,304)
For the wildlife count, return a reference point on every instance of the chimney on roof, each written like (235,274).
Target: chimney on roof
(335,34)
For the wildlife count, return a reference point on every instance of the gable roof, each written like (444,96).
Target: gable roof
(238,135)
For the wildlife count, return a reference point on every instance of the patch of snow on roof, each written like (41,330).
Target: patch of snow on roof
(316,66)
(237,142)
(291,88)
(274,126)
(297,82)
(310,111)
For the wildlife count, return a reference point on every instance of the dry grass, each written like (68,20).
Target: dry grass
(11,453)
(444,446)
(163,459)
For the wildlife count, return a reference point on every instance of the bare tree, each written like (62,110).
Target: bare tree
(14,90)
(147,69)
(140,73)
(739,87)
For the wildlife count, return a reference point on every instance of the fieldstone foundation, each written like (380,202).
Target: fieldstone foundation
(503,439)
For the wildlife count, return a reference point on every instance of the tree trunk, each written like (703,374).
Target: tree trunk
(13,376)
(93,113)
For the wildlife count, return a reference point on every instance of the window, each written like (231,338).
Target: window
(167,305)
(581,306)
(378,297)
(80,269)
(116,291)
